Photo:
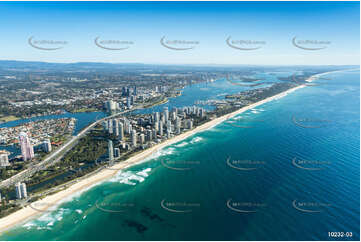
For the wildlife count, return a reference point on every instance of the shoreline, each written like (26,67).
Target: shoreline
(27,213)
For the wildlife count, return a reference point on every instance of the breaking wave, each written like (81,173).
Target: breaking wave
(131,178)
(196,140)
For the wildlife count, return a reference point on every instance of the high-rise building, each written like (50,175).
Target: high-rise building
(47,145)
(126,125)
(121,131)
(154,134)
(190,124)
(129,102)
(142,138)
(160,130)
(24,193)
(169,126)
(134,137)
(110,126)
(202,112)
(135,90)
(4,159)
(105,125)
(141,121)
(116,127)
(177,125)
(149,135)
(174,113)
(130,128)
(156,117)
(117,152)
(110,105)
(173,116)
(27,149)
(156,125)
(110,150)
(20,190)
(166,113)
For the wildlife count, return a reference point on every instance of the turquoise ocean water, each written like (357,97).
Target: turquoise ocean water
(286,170)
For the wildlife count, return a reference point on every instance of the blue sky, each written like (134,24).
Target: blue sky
(208,23)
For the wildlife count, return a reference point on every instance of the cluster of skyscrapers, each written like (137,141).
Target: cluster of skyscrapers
(139,131)
(111,105)
(127,93)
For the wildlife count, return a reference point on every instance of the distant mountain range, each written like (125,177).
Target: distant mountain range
(77,66)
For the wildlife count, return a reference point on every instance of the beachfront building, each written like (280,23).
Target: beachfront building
(134,138)
(169,126)
(190,124)
(116,152)
(121,131)
(149,135)
(160,129)
(142,138)
(27,149)
(177,125)
(20,190)
(110,150)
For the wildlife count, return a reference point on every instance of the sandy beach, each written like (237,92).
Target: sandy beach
(28,212)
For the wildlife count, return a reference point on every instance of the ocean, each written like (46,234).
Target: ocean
(285,170)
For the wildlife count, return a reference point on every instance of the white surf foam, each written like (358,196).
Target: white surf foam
(144,173)
(130,177)
(48,219)
(181,144)
(196,140)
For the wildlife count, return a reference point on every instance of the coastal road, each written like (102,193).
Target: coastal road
(52,158)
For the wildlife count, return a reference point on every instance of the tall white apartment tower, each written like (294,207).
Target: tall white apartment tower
(166,114)
(110,150)
(121,131)
(134,138)
(20,190)
(116,127)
